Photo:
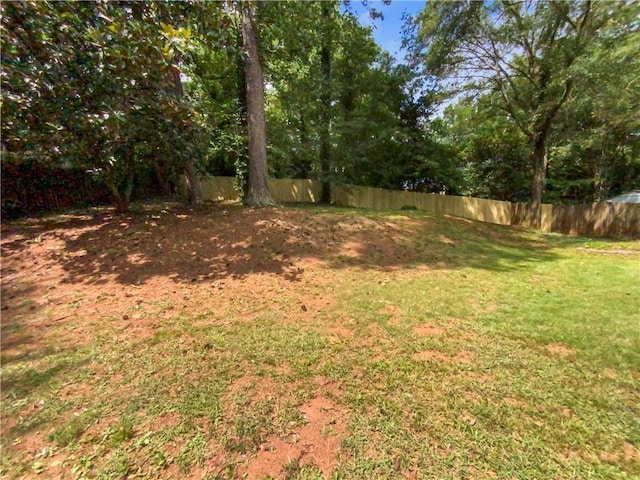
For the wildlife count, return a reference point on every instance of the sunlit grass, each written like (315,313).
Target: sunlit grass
(514,355)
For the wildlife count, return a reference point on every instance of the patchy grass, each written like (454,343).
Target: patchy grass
(316,343)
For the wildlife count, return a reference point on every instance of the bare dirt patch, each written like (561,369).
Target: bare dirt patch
(430,355)
(380,357)
(251,388)
(631,453)
(514,402)
(163,422)
(393,312)
(131,271)
(315,443)
(627,453)
(341,332)
(428,330)
(69,279)
(560,350)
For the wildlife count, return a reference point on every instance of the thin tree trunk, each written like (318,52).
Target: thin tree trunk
(240,159)
(162,177)
(118,201)
(122,199)
(194,191)
(128,189)
(540,161)
(303,160)
(325,100)
(258,191)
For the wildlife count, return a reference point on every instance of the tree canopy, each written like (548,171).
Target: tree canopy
(531,68)
(524,101)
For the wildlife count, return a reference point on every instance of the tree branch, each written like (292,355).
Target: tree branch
(508,107)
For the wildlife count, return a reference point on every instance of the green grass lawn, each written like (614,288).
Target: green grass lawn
(491,353)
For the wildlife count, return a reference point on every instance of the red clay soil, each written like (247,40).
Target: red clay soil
(110,265)
(65,277)
(317,442)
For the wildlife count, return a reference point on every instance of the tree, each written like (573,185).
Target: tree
(488,149)
(597,146)
(325,97)
(258,191)
(94,85)
(362,116)
(293,35)
(132,91)
(525,51)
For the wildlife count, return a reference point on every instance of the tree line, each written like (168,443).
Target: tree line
(522,101)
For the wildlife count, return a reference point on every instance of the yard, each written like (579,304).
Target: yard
(308,343)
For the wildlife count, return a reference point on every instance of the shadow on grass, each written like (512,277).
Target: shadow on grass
(20,383)
(32,383)
(17,305)
(217,243)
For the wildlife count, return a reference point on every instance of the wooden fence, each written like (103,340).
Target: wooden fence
(599,219)
(283,190)
(617,220)
(490,211)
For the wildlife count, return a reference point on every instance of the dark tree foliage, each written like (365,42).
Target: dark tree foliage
(93,85)
(142,93)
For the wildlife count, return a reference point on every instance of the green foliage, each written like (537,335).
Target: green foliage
(135,92)
(72,430)
(554,89)
(489,150)
(377,128)
(99,86)
(96,85)
(597,150)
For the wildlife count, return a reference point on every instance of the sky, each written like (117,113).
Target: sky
(387,32)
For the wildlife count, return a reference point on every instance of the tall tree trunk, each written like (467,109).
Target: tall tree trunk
(122,199)
(541,130)
(162,177)
(194,190)
(305,168)
(325,100)
(258,191)
(540,162)
(240,158)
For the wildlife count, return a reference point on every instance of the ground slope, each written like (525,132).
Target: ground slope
(315,343)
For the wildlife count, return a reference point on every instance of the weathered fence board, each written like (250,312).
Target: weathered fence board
(295,190)
(219,189)
(282,189)
(598,219)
